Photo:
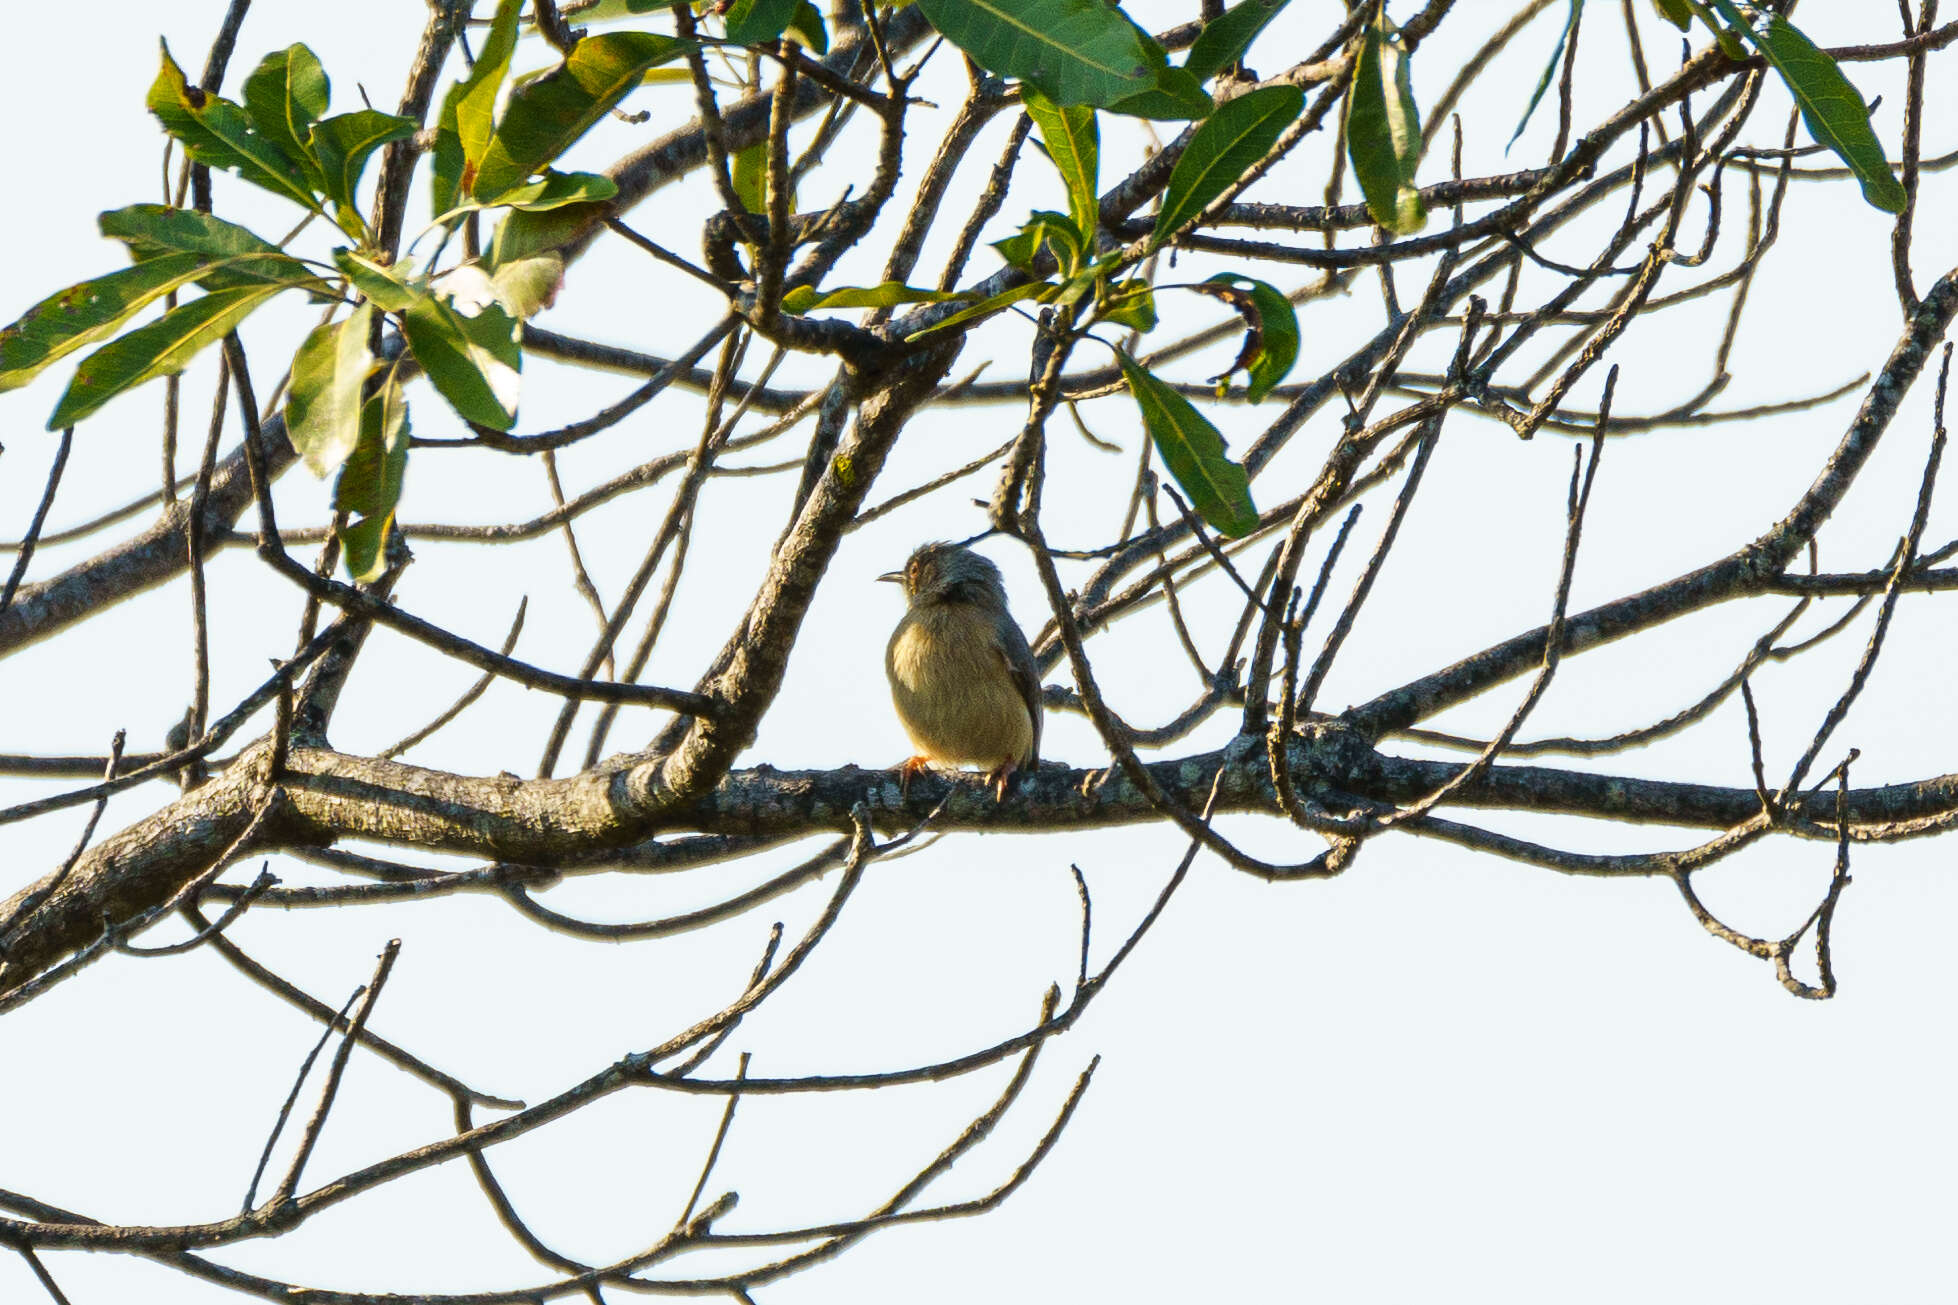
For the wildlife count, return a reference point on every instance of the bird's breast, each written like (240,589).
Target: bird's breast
(952,688)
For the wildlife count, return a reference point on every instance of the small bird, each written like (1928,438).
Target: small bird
(964,681)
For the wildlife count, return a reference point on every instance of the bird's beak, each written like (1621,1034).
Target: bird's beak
(895,577)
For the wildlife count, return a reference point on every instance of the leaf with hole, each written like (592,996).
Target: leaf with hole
(1193,451)
(1383,128)
(1229,143)
(473,362)
(546,118)
(557,189)
(1073,144)
(1073,51)
(85,313)
(1271,330)
(161,348)
(1832,110)
(323,405)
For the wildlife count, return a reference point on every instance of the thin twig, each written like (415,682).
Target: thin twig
(310,1138)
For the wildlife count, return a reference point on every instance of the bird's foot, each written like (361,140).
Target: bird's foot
(996,779)
(909,770)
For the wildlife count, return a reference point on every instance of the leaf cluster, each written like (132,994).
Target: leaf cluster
(496,140)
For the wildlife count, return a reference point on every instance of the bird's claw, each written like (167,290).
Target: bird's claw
(908,770)
(997,780)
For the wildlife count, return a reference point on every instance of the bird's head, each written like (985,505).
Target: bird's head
(949,573)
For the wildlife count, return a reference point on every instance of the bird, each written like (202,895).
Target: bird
(963,679)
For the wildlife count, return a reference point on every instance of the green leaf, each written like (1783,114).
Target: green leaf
(1226,146)
(218,133)
(1549,69)
(1224,39)
(548,116)
(1831,108)
(1073,51)
(526,232)
(85,313)
(285,95)
(1074,144)
(807,29)
(473,362)
(1730,44)
(370,478)
(758,22)
(1074,289)
(1131,304)
(1383,129)
(1676,12)
(1177,97)
(161,348)
(1174,95)
(527,286)
(364,544)
(1271,334)
(459,152)
(556,189)
(323,405)
(612,11)
(446,188)
(475,96)
(1056,231)
(1193,451)
(885,294)
(1041,290)
(370,481)
(345,142)
(749,171)
(234,256)
(384,286)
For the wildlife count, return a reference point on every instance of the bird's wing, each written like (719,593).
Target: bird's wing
(1025,673)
